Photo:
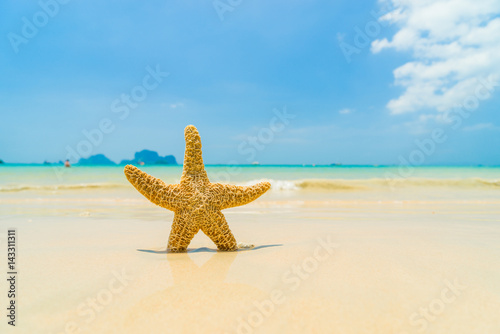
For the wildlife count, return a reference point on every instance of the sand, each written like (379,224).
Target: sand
(324,263)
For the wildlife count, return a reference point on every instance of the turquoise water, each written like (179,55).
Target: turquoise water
(14,178)
(104,192)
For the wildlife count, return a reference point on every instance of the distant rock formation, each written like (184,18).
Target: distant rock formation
(48,163)
(96,160)
(146,157)
(1,161)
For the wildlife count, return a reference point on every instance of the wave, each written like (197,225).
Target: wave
(59,187)
(295,185)
(377,183)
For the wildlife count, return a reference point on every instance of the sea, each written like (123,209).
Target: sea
(370,182)
(41,178)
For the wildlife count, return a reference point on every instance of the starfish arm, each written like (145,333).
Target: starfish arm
(193,169)
(228,196)
(218,231)
(157,191)
(183,231)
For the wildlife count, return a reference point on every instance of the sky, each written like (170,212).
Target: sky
(278,82)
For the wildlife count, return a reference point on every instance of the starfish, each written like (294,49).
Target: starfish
(196,202)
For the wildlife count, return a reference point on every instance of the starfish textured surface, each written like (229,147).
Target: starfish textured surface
(196,201)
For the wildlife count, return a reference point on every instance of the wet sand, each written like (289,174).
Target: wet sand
(322,264)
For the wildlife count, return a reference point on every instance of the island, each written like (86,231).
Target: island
(144,157)
(96,160)
(147,157)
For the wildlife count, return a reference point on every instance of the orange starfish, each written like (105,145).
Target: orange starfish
(196,201)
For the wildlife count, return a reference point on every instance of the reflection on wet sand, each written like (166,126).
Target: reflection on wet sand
(200,300)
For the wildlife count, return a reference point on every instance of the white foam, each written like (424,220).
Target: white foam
(283,185)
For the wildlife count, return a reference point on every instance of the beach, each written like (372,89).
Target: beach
(337,250)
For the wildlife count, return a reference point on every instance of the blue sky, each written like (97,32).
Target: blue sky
(397,85)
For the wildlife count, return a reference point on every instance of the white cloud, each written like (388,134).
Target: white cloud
(453,43)
(345,111)
(480,126)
